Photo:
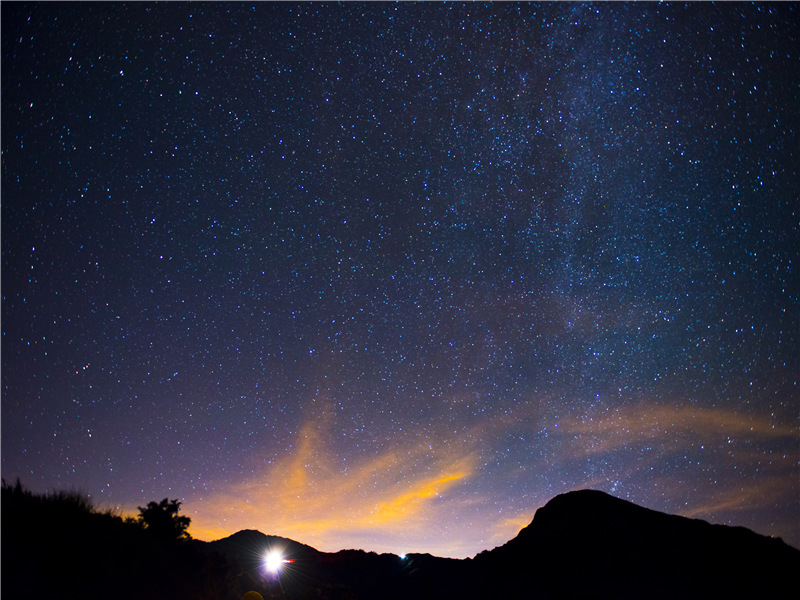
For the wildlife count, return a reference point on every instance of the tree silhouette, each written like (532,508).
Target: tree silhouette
(163,520)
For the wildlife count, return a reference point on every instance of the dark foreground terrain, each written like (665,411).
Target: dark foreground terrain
(584,544)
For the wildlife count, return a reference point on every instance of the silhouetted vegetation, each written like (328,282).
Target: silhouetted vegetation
(83,553)
(162,520)
(62,502)
(580,545)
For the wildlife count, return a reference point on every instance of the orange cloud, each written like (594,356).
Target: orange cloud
(407,492)
(411,502)
(671,427)
(312,496)
(743,497)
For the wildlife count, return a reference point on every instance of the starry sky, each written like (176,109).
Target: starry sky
(392,276)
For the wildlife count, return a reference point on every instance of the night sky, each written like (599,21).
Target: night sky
(392,276)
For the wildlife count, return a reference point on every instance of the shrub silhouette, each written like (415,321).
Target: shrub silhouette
(64,503)
(163,521)
(87,554)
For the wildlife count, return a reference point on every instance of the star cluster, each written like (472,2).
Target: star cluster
(391,275)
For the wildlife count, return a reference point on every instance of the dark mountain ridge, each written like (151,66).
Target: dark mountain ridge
(590,544)
(584,544)
(579,545)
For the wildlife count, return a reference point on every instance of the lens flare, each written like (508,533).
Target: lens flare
(273,561)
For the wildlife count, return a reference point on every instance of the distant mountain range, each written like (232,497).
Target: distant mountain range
(584,544)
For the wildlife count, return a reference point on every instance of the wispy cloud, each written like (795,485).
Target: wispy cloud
(312,496)
(429,493)
(670,427)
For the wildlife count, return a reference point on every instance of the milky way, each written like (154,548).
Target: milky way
(391,276)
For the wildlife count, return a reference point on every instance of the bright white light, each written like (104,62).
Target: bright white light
(273,561)
(402,556)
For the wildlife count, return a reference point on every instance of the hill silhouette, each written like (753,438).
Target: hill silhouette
(583,544)
(590,544)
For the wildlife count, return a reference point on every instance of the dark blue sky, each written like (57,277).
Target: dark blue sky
(391,276)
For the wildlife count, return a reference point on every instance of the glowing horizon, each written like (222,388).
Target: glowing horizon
(409,497)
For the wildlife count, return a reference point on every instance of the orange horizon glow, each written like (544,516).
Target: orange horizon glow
(312,497)
(409,496)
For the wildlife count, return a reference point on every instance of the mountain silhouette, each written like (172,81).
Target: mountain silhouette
(583,544)
(250,545)
(590,544)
